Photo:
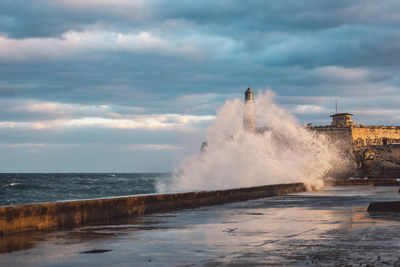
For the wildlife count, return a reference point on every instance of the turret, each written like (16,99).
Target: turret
(249,121)
(248,95)
(204,147)
(342,120)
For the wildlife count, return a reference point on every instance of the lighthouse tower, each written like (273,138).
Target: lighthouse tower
(249,121)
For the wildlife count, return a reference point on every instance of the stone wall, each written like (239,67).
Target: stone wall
(375,135)
(107,210)
(341,136)
(360,135)
(374,149)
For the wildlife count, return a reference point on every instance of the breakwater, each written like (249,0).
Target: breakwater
(361,181)
(391,206)
(54,215)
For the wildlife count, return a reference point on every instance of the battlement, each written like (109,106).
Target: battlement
(342,120)
(382,127)
(360,135)
(328,128)
(375,149)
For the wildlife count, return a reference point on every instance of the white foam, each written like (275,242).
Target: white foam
(237,158)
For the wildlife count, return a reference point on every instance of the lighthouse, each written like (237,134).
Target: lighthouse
(249,121)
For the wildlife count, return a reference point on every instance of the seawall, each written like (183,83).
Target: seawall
(361,181)
(391,206)
(54,215)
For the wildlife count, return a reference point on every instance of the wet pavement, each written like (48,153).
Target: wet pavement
(330,227)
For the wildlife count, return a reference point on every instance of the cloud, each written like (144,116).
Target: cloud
(74,43)
(350,46)
(53,115)
(24,145)
(307,109)
(122,4)
(27,147)
(311,34)
(335,74)
(149,122)
(153,147)
(35,110)
(150,72)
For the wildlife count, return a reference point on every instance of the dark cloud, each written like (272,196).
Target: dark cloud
(52,18)
(63,60)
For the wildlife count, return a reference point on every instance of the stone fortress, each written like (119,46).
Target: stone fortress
(375,150)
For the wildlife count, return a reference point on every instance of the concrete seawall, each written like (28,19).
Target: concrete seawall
(56,215)
(361,181)
(391,206)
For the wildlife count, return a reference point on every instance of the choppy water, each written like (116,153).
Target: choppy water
(44,187)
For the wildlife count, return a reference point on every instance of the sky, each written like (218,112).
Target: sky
(130,86)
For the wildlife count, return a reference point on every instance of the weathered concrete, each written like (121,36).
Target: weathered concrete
(386,183)
(328,227)
(392,206)
(361,181)
(106,210)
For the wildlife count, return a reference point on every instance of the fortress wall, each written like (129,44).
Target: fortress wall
(361,135)
(373,151)
(374,135)
(340,135)
(395,152)
(55,215)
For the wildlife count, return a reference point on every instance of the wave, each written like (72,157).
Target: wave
(286,152)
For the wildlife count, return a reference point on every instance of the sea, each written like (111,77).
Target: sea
(25,188)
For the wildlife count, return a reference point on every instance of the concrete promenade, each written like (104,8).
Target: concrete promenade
(57,215)
(329,227)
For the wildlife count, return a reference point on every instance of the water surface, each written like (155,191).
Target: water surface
(46,187)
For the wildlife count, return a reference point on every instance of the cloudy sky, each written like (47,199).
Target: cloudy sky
(130,86)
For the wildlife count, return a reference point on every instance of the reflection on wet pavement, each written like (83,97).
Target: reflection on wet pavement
(327,227)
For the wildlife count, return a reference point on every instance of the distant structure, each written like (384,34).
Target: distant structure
(375,149)
(342,127)
(204,146)
(342,119)
(249,121)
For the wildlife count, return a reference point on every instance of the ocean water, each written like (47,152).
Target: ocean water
(46,187)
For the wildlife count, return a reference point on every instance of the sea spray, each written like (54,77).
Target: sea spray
(282,152)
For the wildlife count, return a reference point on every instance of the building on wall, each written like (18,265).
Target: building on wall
(375,149)
(361,135)
(342,120)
